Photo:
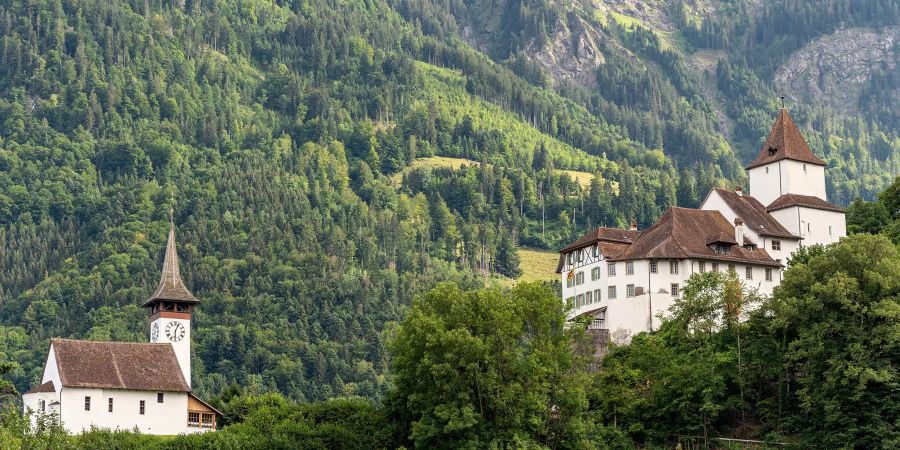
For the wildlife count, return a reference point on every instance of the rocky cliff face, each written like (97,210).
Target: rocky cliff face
(833,69)
(573,53)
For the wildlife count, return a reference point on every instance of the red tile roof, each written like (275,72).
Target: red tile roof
(602,234)
(118,365)
(687,233)
(808,201)
(754,214)
(785,142)
(612,241)
(46,387)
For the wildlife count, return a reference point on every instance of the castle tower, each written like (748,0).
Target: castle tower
(170,308)
(790,180)
(786,165)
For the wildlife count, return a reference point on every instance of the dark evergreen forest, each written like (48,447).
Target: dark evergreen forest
(285,135)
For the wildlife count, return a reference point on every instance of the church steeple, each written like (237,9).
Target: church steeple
(170,308)
(171,287)
(785,142)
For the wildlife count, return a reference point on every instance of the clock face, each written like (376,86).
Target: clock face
(175,331)
(154,332)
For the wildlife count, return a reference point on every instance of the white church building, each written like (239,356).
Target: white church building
(623,279)
(129,385)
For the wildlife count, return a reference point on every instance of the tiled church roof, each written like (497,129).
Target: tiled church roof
(118,365)
(785,142)
(46,387)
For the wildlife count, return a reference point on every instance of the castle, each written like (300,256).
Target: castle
(129,385)
(623,279)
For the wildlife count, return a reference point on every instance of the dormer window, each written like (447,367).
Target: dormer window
(772,151)
(721,249)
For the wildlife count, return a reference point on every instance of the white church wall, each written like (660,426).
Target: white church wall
(167,418)
(51,371)
(31,405)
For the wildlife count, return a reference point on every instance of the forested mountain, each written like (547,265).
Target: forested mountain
(286,137)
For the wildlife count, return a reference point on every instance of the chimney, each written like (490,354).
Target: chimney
(739,230)
(739,191)
(633,225)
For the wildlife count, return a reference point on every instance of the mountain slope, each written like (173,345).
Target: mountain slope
(278,131)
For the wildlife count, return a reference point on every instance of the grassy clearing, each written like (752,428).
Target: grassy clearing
(433,162)
(583,178)
(537,265)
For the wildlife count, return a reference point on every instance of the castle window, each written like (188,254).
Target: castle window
(654,267)
(87,403)
(702,266)
(580,255)
(629,268)
(629,290)
(829,230)
(159,397)
(109,405)
(142,407)
(596,251)
(612,293)
(767,169)
(193,419)
(595,273)
(804,168)
(579,301)
(776,245)
(597,295)
(715,267)
(749,274)
(588,297)
(43,404)
(611,269)
(570,281)
(673,267)
(768,274)
(571,258)
(579,278)
(674,289)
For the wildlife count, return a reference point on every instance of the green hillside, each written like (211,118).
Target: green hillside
(295,142)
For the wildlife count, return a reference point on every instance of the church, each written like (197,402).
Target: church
(129,385)
(623,279)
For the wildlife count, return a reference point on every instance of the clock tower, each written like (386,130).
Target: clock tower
(170,308)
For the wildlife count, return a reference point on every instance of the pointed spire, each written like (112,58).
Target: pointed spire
(785,142)
(171,287)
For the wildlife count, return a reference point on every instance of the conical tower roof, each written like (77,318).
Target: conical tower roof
(171,287)
(785,142)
